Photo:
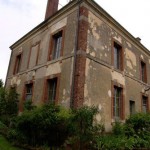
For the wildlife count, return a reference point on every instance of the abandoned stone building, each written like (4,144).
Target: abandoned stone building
(79,56)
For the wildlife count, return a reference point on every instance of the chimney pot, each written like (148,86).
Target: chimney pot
(52,7)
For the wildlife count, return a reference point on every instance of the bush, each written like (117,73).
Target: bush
(138,126)
(83,129)
(118,129)
(3,129)
(111,142)
(44,125)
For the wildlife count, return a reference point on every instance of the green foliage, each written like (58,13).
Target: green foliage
(138,126)
(111,142)
(8,102)
(44,125)
(83,129)
(5,145)
(1,83)
(135,133)
(118,129)
(3,129)
(28,105)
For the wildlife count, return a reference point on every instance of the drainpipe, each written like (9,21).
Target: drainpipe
(75,56)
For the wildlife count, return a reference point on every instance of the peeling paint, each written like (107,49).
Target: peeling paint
(98,118)
(142,57)
(131,74)
(118,39)
(87,67)
(18,82)
(93,54)
(59,25)
(100,107)
(109,93)
(53,69)
(129,45)
(64,91)
(15,81)
(118,77)
(131,60)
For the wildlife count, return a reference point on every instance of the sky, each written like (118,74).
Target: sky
(18,17)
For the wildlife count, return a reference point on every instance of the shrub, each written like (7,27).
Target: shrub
(83,129)
(138,126)
(118,129)
(45,125)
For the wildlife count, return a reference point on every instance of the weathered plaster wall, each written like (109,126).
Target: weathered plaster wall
(100,73)
(98,89)
(37,73)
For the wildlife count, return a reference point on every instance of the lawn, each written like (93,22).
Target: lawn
(5,145)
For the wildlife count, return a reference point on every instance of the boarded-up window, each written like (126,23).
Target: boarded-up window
(33,58)
(143,72)
(17,64)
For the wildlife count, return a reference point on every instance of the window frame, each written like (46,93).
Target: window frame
(147,106)
(17,67)
(24,94)
(133,102)
(144,79)
(45,93)
(122,107)
(121,58)
(52,44)
(25,89)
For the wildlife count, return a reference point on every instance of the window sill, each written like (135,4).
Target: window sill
(55,60)
(113,121)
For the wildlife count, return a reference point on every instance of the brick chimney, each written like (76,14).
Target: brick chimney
(52,7)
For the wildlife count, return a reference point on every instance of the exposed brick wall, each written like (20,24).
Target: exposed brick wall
(52,7)
(81,58)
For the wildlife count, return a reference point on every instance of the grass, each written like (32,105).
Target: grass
(5,145)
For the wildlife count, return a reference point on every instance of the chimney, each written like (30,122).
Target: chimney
(52,7)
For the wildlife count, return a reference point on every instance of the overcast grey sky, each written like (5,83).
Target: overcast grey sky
(17,17)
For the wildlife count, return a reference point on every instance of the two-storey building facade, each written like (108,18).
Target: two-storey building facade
(81,56)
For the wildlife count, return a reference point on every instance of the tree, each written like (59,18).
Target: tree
(1,83)
(8,104)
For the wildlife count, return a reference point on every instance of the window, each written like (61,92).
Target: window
(56,45)
(144,104)
(132,107)
(117,56)
(143,72)
(52,86)
(29,91)
(117,103)
(17,64)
